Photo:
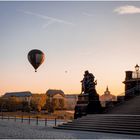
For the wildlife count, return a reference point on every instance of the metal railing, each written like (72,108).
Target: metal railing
(33,121)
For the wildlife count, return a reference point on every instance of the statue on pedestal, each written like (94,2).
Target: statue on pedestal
(88,101)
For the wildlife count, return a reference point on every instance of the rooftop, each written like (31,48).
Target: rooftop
(18,94)
(53,92)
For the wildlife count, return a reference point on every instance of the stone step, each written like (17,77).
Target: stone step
(105,128)
(135,126)
(114,119)
(104,120)
(107,123)
(111,116)
(101,130)
(97,121)
(108,120)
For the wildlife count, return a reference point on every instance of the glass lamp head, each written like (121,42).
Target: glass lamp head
(137,67)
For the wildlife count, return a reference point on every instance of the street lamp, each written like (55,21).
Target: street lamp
(137,69)
(137,72)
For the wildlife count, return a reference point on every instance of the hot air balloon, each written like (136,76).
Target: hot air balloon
(36,58)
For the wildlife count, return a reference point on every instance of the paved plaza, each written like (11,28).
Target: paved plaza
(18,130)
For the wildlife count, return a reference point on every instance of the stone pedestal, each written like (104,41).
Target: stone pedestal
(87,104)
(81,106)
(88,101)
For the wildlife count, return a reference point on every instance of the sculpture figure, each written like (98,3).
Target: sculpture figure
(88,83)
(88,101)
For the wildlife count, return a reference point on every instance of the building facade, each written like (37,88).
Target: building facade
(23,95)
(107,97)
(56,99)
(132,82)
(71,100)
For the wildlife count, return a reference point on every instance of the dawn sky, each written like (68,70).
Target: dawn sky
(102,37)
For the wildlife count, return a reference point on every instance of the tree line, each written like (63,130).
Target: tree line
(36,103)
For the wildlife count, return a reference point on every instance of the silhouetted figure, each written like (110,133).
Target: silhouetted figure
(88,83)
(88,101)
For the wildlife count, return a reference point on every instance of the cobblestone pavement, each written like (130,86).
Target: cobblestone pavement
(18,130)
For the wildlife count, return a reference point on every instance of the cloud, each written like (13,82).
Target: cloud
(47,24)
(51,20)
(128,9)
(87,14)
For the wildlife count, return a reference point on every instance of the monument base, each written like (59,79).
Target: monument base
(87,104)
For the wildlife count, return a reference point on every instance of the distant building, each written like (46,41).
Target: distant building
(54,92)
(71,100)
(56,98)
(132,82)
(23,95)
(106,97)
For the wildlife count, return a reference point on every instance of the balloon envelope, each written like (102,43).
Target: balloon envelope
(36,58)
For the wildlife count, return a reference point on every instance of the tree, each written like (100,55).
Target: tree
(61,104)
(38,101)
(14,104)
(25,106)
(3,103)
(52,104)
(10,103)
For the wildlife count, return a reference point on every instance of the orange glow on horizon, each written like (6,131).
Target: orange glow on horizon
(100,90)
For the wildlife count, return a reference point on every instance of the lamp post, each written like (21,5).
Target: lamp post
(137,69)
(137,72)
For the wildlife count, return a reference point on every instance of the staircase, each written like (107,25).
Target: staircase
(123,124)
(131,106)
(123,119)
